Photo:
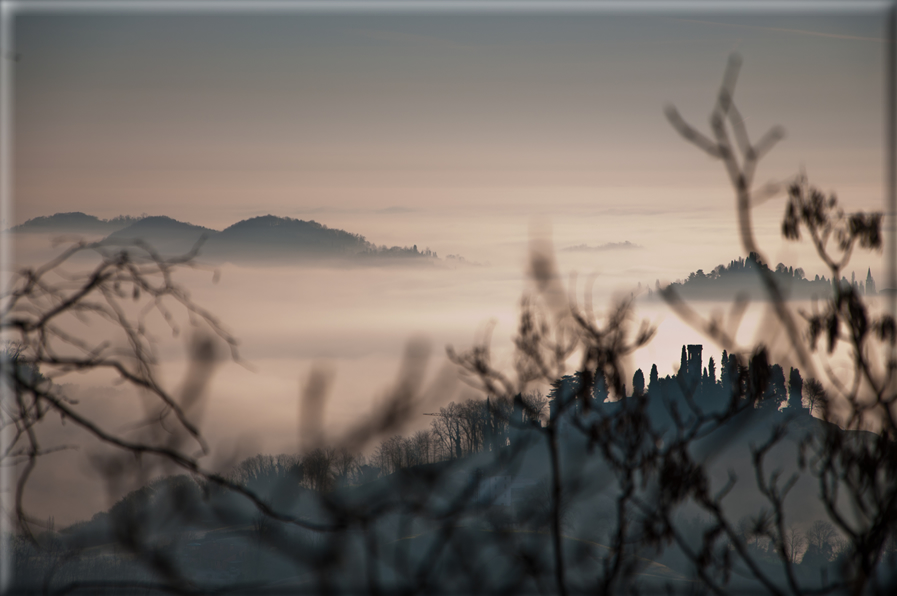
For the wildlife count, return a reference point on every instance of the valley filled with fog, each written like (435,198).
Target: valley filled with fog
(353,321)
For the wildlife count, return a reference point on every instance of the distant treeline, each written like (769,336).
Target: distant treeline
(695,387)
(742,276)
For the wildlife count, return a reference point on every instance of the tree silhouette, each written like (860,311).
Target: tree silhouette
(795,389)
(638,383)
(682,374)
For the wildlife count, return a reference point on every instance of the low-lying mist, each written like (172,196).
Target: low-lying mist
(355,323)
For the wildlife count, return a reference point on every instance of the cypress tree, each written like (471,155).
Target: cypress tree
(870,283)
(683,365)
(795,390)
(638,383)
(725,376)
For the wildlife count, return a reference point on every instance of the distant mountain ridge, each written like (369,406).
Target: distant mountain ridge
(163,233)
(75,222)
(265,238)
(742,276)
(626,245)
(273,236)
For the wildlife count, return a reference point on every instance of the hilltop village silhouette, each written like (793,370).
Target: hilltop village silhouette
(693,390)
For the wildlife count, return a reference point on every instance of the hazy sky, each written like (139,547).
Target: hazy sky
(284,113)
(450,130)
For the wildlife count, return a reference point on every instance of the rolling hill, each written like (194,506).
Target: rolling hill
(166,235)
(258,240)
(73,222)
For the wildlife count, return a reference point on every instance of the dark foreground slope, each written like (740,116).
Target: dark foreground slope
(447,527)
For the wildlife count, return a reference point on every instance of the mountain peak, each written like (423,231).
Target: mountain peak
(265,238)
(73,222)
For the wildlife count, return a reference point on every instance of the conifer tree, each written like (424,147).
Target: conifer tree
(683,365)
(638,383)
(795,390)
(870,283)
(725,375)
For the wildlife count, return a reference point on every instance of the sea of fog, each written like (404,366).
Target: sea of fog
(355,323)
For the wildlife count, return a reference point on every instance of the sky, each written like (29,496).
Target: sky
(295,112)
(458,131)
